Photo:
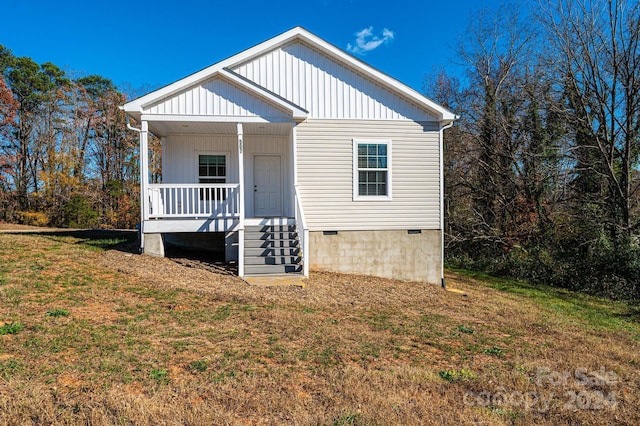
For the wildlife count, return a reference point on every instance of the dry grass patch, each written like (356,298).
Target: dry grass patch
(153,341)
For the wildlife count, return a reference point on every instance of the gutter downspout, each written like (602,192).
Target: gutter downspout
(141,234)
(441,154)
(130,127)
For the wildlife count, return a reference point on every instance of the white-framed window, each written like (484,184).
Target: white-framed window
(371,169)
(212,168)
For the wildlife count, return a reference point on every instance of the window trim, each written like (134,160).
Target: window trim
(197,161)
(356,169)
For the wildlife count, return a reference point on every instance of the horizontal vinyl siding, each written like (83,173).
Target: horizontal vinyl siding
(325,175)
(324,87)
(215,97)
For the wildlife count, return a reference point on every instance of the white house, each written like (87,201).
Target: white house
(294,154)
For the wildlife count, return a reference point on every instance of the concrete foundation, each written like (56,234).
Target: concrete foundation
(153,245)
(231,247)
(407,255)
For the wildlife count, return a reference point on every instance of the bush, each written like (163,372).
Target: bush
(32,218)
(79,213)
(595,267)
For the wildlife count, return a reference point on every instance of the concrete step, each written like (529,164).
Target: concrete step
(271,251)
(272,269)
(272,260)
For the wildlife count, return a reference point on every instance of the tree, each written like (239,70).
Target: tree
(596,47)
(112,147)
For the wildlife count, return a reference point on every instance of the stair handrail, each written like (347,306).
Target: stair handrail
(301,223)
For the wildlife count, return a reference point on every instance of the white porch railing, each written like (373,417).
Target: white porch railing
(193,200)
(303,232)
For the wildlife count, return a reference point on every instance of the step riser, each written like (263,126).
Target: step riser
(270,228)
(270,235)
(262,252)
(272,260)
(275,244)
(272,269)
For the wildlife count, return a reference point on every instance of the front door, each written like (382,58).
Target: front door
(267,186)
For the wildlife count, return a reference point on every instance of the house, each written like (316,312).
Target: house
(294,155)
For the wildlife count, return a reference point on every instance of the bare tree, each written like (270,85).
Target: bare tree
(596,58)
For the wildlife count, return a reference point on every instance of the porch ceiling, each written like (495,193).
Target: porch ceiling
(164,128)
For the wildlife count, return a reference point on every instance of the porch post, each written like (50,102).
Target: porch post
(294,154)
(241,202)
(144,176)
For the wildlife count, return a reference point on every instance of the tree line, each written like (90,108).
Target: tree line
(66,156)
(541,171)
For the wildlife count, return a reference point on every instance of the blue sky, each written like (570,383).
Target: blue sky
(142,45)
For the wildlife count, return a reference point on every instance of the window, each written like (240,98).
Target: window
(372,170)
(212,168)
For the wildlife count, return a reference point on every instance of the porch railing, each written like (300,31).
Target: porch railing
(303,232)
(193,200)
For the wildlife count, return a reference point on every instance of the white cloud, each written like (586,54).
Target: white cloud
(366,40)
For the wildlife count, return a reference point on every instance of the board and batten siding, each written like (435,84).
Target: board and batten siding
(325,175)
(216,97)
(179,161)
(179,156)
(268,145)
(325,88)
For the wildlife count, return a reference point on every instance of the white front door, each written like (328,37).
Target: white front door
(267,186)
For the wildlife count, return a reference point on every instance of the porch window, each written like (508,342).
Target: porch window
(212,168)
(372,170)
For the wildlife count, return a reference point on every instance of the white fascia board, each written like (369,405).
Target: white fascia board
(297,112)
(213,118)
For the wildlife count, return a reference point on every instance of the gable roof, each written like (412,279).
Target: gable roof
(225,70)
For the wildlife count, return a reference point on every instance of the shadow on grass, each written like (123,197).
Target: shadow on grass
(101,239)
(126,241)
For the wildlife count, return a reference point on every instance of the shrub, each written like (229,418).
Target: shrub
(79,213)
(32,218)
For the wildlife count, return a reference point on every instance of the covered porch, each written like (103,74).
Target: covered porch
(228,161)
(227,177)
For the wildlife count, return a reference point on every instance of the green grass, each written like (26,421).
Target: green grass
(589,311)
(463,375)
(160,375)
(495,351)
(11,328)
